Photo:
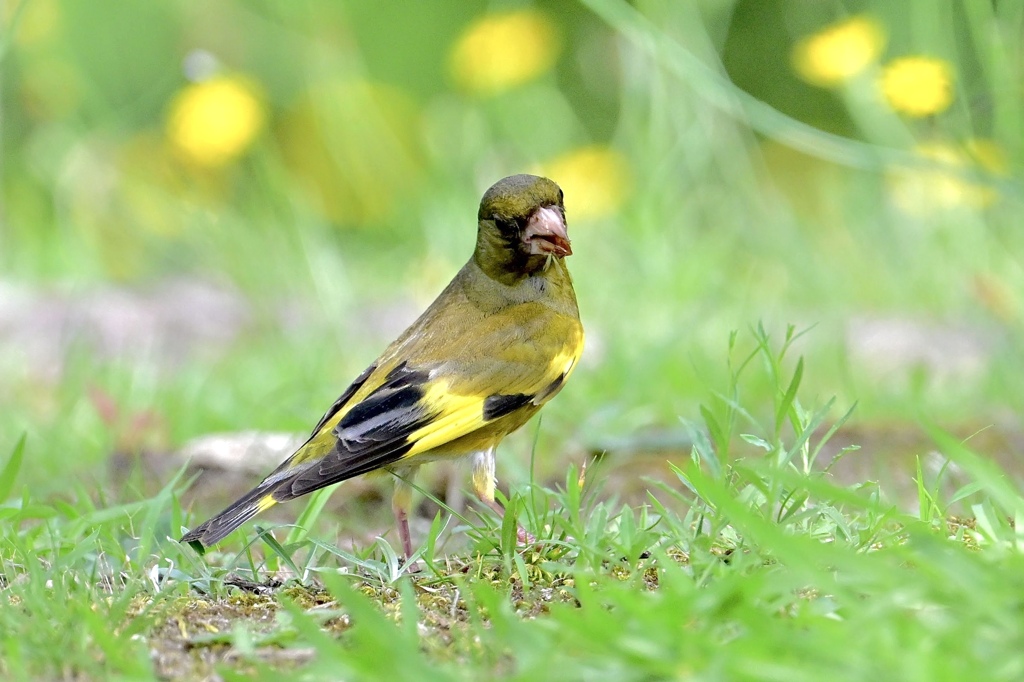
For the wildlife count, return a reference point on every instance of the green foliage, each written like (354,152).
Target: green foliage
(755,565)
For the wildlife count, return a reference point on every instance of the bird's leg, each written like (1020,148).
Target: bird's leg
(400,505)
(402,519)
(483,485)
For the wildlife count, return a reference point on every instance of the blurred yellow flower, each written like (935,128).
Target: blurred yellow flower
(215,121)
(918,86)
(919,191)
(500,51)
(838,52)
(595,180)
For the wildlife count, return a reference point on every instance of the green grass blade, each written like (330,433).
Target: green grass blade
(10,471)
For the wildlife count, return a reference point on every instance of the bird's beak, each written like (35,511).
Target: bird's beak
(545,233)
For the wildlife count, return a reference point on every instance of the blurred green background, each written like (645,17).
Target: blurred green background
(215,214)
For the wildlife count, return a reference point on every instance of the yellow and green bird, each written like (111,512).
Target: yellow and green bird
(497,344)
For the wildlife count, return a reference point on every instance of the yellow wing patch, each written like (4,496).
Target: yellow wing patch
(459,415)
(565,362)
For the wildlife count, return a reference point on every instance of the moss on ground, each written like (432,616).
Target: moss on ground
(248,625)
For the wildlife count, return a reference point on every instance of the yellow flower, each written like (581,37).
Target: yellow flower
(500,51)
(215,121)
(838,52)
(595,180)
(920,191)
(918,86)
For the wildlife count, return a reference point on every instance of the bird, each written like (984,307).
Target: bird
(496,345)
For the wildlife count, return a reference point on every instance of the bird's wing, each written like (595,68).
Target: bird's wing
(423,403)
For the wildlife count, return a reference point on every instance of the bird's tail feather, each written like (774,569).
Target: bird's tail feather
(216,529)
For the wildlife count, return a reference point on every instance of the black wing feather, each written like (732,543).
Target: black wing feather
(498,405)
(344,398)
(373,434)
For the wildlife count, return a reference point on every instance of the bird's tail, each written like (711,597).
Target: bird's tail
(216,529)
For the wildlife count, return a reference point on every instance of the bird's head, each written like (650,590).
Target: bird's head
(521,228)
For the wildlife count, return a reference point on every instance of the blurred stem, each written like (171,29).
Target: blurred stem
(723,94)
(6,40)
(998,57)
(875,121)
(7,35)
(718,90)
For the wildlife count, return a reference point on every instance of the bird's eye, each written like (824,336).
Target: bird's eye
(506,226)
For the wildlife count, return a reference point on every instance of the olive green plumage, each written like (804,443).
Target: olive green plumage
(495,345)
